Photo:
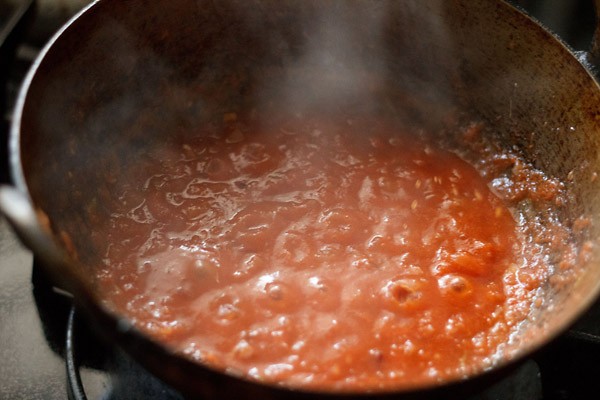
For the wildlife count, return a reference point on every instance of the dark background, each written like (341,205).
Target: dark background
(572,20)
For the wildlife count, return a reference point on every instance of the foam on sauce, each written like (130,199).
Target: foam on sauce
(327,253)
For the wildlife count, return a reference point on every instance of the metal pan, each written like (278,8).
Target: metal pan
(120,64)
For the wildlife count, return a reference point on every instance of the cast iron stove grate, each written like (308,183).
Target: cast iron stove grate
(123,378)
(566,370)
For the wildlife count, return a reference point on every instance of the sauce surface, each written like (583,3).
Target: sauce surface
(323,253)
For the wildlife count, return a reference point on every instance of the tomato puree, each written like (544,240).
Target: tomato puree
(323,253)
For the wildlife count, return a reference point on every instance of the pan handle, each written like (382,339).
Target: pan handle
(20,213)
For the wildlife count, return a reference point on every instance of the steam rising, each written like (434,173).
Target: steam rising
(355,57)
(133,85)
(334,69)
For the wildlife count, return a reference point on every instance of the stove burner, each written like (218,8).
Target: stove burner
(565,370)
(115,376)
(74,385)
(96,371)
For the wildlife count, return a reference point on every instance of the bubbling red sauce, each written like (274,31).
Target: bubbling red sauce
(325,253)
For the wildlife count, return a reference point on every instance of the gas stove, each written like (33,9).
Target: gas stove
(48,352)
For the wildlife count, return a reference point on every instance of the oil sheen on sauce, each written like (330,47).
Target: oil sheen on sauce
(334,254)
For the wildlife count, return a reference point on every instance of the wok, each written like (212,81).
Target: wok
(122,75)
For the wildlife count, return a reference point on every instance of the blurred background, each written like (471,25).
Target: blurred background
(570,19)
